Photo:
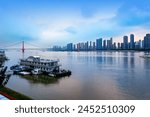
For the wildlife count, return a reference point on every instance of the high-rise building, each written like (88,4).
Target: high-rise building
(56,48)
(142,43)
(138,44)
(119,46)
(78,47)
(104,44)
(132,41)
(125,42)
(111,43)
(90,47)
(147,41)
(70,47)
(94,46)
(87,46)
(82,46)
(108,44)
(74,47)
(99,44)
(122,46)
(114,46)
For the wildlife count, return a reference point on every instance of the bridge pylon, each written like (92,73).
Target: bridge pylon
(23,48)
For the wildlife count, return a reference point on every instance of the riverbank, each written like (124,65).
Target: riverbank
(13,95)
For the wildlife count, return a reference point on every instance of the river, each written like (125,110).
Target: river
(95,75)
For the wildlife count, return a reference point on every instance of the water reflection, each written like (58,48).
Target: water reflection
(95,75)
(132,60)
(40,79)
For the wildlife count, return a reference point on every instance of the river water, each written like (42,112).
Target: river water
(95,75)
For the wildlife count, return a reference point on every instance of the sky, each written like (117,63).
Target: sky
(58,22)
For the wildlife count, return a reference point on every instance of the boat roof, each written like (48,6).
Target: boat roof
(37,58)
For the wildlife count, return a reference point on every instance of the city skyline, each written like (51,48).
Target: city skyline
(128,43)
(58,22)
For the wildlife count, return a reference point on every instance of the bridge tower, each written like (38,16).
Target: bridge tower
(23,49)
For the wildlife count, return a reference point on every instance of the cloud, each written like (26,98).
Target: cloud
(133,13)
(88,12)
(138,32)
(71,30)
(52,34)
(50,22)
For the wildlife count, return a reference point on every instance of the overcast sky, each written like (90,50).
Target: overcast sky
(58,22)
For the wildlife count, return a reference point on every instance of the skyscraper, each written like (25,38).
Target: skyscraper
(108,44)
(132,41)
(74,47)
(94,46)
(70,47)
(82,46)
(87,46)
(125,42)
(111,43)
(78,47)
(90,47)
(142,43)
(119,45)
(104,44)
(114,46)
(147,41)
(99,44)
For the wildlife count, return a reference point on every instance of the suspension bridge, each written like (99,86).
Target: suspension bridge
(22,45)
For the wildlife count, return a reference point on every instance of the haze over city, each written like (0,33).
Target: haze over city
(51,22)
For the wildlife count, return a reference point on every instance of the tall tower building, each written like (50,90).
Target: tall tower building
(70,47)
(147,41)
(119,45)
(132,41)
(94,46)
(90,45)
(111,43)
(78,47)
(104,44)
(125,42)
(99,44)
(108,44)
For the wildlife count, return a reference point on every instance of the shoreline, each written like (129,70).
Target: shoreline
(120,50)
(13,95)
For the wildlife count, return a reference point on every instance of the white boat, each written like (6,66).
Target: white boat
(24,73)
(51,75)
(40,65)
(36,71)
(145,56)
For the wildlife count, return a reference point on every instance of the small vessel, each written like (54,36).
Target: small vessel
(63,73)
(51,75)
(146,55)
(36,72)
(24,73)
(17,69)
